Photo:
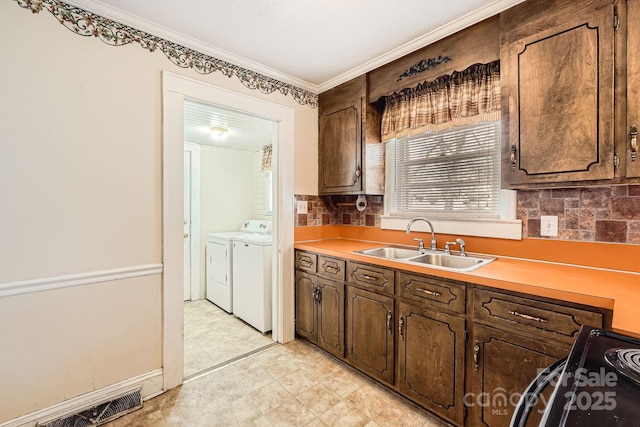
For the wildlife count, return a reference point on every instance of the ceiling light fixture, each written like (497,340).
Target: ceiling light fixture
(219,133)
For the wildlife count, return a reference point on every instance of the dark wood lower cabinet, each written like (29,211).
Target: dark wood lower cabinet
(501,367)
(320,312)
(306,307)
(431,355)
(462,351)
(330,301)
(370,328)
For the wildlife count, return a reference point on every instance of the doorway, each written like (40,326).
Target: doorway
(175,89)
(231,151)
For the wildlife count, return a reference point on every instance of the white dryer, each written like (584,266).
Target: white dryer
(219,263)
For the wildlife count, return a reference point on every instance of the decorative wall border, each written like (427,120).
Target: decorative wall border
(88,24)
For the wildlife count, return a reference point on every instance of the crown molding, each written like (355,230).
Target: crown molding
(440,33)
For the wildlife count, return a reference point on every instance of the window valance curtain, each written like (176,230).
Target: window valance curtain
(266,157)
(458,99)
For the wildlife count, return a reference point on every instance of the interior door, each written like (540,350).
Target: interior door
(186,282)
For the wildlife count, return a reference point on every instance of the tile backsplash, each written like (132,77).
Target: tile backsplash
(339,210)
(600,214)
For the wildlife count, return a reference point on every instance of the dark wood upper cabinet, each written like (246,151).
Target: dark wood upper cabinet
(557,74)
(630,140)
(350,156)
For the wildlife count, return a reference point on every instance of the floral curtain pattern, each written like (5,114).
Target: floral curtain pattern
(458,99)
(266,157)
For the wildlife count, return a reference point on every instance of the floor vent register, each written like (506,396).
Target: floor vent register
(100,413)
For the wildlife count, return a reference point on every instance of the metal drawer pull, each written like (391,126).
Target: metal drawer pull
(389,327)
(305,261)
(528,317)
(365,276)
(400,324)
(331,268)
(427,291)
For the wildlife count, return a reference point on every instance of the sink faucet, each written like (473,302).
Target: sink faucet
(433,235)
(457,242)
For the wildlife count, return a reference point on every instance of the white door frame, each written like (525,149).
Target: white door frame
(196,273)
(175,89)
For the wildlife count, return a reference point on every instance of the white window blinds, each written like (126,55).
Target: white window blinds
(450,173)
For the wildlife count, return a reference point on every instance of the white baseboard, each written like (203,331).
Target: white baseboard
(151,383)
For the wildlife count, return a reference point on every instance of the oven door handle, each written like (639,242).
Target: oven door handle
(530,396)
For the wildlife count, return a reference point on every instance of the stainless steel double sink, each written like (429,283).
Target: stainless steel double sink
(436,259)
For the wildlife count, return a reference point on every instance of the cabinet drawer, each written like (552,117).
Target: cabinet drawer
(371,277)
(306,261)
(331,268)
(545,320)
(437,292)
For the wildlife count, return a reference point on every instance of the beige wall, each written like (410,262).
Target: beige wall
(80,192)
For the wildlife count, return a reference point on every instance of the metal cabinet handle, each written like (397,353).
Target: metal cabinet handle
(528,317)
(428,292)
(514,157)
(476,353)
(634,143)
(400,324)
(389,327)
(365,276)
(357,174)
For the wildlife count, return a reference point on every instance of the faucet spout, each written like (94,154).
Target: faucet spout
(433,234)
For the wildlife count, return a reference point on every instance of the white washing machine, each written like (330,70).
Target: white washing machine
(219,260)
(252,280)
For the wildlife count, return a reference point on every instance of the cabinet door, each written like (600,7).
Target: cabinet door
(431,360)
(306,307)
(559,91)
(630,153)
(370,322)
(501,367)
(331,316)
(340,150)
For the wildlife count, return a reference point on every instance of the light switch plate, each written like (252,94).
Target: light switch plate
(549,225)
(302,207)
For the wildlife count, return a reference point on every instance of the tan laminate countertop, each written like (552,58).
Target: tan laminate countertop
(608,289)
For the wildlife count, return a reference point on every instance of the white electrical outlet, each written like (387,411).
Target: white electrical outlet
(302,207)
(549,225)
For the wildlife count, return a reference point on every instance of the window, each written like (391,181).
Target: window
(453,173)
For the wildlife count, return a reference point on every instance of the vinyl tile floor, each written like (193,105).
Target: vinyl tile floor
(213,337)
(292,384)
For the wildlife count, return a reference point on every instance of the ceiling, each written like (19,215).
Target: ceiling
(312,44)
(244,132)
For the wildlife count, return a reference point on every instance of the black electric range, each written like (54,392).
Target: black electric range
(597,385)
